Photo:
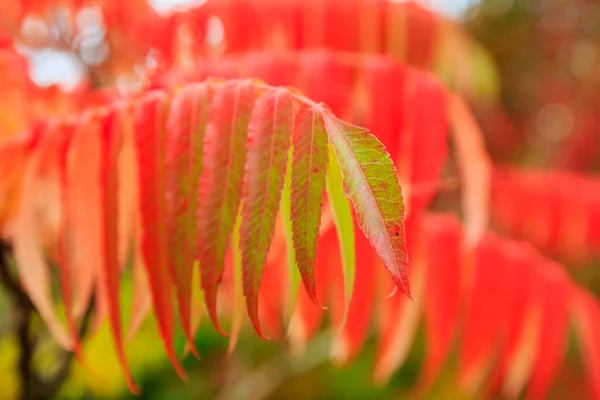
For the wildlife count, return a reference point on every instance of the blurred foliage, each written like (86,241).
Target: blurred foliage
(547,53)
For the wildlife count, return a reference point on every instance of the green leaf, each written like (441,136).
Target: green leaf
(371,182)
(342,218)
(307,189)
(270,127)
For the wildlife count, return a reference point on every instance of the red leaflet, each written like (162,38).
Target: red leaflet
(562,221)
(553,331)
(399,321)
(150,126)
(344,33)
(64,137)
(422,32)
(130,231)
(354,333)
(423,147)
(185,146)
(110,142)
(385,116)
(221,182)
(13,159)
(141,301)
(85,215)
(35,222)
(527,347)
(485,312)
(272,119)
(273,294)
(311,31)
(521,303)
(586,314)
(442,246)
(307,315)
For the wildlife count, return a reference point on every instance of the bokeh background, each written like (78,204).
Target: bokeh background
(545,56)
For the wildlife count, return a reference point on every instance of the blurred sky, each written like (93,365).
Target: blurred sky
(453,8)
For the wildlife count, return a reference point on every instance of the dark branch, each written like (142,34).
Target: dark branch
(33,386)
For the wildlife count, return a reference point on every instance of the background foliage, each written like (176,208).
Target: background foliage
(529,71)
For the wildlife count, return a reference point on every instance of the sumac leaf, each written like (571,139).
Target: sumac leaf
(221,182)
(185,146)
(309,167)
(370,181)
(269,131)
(111,141)
(40,181)
(150,132)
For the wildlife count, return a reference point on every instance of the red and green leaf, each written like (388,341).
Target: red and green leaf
(111,141)
(221,182)
(309,167)
(185,146)
(150,129)
(272,120)
(370,181)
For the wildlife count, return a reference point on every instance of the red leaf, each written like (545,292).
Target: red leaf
(399,321)
(423,141)
(65,135)
(485,312)
(586,315)
(111,141)
(307,316)
(150,126)
(185,146)
(522,300)
(553,332)
(354,333)
(443,261)
(34,222)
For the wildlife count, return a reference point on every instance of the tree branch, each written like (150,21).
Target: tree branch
(33,386)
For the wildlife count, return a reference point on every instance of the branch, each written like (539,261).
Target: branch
(33,386)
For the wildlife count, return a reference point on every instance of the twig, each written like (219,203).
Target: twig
(11,285)
(51,387)
(23,312)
